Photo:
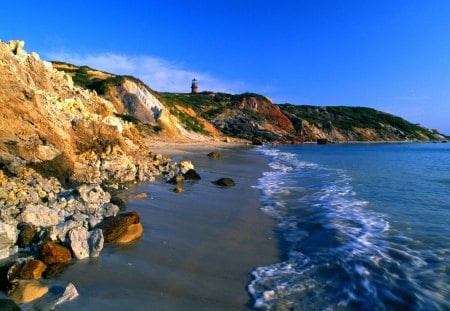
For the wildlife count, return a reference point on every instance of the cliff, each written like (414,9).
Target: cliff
(60,129)
(255,117)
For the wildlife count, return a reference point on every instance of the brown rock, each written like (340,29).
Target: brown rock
(54,253)
(27,291)
(215,155)
(26,235)
(32,269)
(178,189)
(122,228)
(140,195)
(133,232)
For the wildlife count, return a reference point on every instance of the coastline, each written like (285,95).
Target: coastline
(199,246)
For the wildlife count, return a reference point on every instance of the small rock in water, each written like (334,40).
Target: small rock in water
(191,175)
(178,189)
(215,155)
(225,182)
(140,195)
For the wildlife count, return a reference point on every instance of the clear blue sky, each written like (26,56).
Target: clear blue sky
(392,55)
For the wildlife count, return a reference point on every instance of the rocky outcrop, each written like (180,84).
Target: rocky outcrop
(64,130)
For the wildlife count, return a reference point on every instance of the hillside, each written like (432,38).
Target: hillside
(252,116)
(248,116)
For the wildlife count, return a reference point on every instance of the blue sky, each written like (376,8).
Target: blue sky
(392,55)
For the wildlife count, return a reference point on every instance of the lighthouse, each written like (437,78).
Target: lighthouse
(194,86)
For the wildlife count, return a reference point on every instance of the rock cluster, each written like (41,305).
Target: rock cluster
(55,225)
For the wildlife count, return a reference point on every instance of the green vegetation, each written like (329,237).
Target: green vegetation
(83,79)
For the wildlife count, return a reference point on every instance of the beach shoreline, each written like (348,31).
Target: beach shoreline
(199,247)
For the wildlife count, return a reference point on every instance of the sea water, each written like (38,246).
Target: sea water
(361,227)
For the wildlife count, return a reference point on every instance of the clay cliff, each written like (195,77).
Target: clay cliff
(50,124)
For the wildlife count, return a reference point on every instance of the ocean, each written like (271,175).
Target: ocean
(359,226)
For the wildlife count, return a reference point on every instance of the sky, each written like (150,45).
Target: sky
(391,55)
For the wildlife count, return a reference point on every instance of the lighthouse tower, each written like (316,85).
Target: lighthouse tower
(194,86)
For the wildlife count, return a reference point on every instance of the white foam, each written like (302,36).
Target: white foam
(362,233)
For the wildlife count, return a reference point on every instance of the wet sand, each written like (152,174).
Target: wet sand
(198,248)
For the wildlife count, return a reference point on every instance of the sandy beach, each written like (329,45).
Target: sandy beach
(198,248)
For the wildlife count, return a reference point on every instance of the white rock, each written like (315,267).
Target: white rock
(109,210)
(78,242)
(39,215)
(93,194)
(96,242)
(93,221)
(51,301)
(114,121)
(59,231)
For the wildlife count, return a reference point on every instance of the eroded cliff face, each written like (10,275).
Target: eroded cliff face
(55,127)
(251,116)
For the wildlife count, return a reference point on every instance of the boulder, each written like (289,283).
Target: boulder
(93,196)
(109,209)
(191,175)
(51,253)
(27,290)
(215,155)
(122,228)
(95,241)
(8,237)
(59,232)
(32,269)
(39,215)
(185,166)
(225,182)
(78,242)
(26,235)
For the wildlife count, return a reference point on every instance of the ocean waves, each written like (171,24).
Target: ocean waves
(338,253)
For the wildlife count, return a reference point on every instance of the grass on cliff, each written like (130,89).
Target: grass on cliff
(83,79)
